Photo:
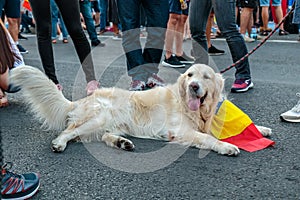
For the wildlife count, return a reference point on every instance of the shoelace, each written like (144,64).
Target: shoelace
(296,108)
(5,170)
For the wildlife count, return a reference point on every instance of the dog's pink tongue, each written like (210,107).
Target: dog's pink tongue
(194,104)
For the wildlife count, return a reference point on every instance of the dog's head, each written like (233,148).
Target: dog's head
(200,86)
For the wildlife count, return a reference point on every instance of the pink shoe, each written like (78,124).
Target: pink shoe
(59,87)
(91,87)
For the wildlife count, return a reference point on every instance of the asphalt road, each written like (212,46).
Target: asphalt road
(82,172)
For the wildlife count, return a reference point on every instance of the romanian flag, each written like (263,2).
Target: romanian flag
(232,125)
(26,5)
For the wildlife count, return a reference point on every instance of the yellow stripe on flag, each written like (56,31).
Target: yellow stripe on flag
(229,121)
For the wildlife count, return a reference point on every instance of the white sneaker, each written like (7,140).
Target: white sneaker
(248,39)
(292,115)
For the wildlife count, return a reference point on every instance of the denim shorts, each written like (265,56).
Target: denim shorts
(175,7)
(12,8)
(267,2)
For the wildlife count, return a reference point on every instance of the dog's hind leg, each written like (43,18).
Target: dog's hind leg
(60,143)
(117,141)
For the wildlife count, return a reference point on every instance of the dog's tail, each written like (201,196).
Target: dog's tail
(46,101)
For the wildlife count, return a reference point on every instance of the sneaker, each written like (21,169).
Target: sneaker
(22,49)
(172,62)
(117,37)
(154,80)
(18,186)
(185,59)
(213,51)
(98,43)
(21,37)
(292,115)
(248,39)
(137,85)
(91,87)
(59,87)
(242,85)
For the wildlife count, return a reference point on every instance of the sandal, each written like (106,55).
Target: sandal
(54,41)
(65,41)
(283,32)
(264,33)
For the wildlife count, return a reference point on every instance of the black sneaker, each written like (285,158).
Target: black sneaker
(21,37)
(22,49)
(172,62)
(18,186)
(213,51)
(98,43)
(185,59)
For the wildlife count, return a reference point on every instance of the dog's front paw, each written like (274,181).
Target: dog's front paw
(58,146)
(265,131)
(225,148)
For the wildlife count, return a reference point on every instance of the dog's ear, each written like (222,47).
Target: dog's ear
(219,85)
(182,85)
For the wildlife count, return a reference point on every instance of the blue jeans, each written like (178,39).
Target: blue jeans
(296,18)
(103,14)
(85,9)
(142,63)
(225,16)
(55,15)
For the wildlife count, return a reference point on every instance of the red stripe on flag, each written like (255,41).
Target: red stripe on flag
(27,5)
(250,139)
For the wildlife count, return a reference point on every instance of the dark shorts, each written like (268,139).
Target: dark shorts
(175,7)
(12,8)
(249,3)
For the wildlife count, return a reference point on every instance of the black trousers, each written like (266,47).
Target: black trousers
(71,15)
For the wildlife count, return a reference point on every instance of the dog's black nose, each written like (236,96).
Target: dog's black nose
(194,86)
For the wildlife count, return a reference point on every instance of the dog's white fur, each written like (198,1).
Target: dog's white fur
(180,113)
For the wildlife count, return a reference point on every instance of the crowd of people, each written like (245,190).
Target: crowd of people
(166,22)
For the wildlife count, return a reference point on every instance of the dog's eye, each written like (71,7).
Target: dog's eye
(206,76)
(190,74)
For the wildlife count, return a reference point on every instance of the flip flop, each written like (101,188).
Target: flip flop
(65,41)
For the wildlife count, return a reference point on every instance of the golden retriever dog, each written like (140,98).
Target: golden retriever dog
(180,113)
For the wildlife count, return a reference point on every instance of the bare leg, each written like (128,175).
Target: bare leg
(170,33)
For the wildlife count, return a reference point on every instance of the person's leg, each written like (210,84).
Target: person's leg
(245,19)
(96,7)
(54,16)
(157,15)
(170,33)
(198,15)
(42,15)
(13,13)
(85,9)
(179,35)
(208,29)
(279,14)
(63,27)
(129,13)
(265,17)
(103,14)
(69,10)
(225,15)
